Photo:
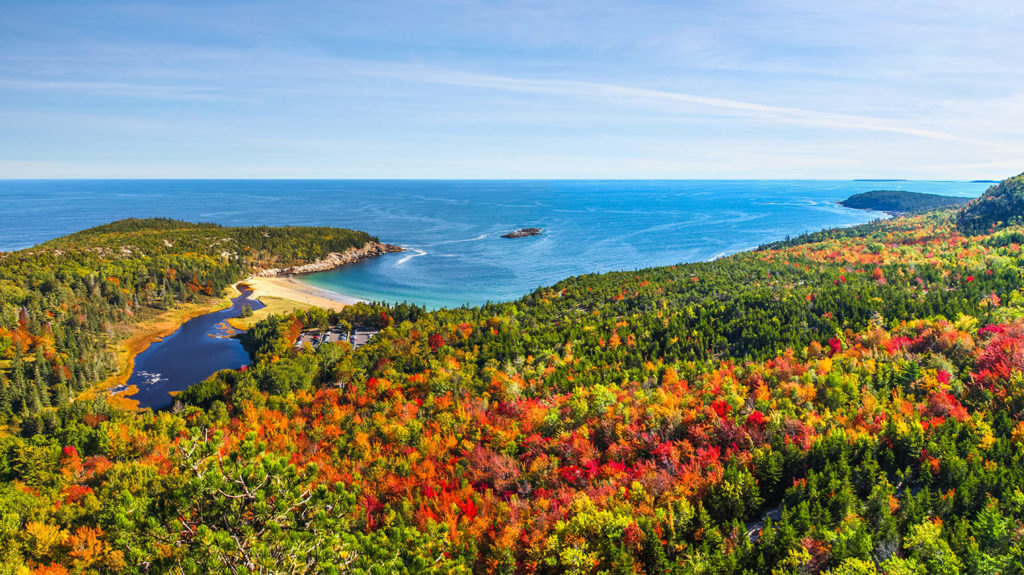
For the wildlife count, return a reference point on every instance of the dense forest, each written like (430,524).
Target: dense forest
(847,402)
(1000,206)
(63,303)
(901,202)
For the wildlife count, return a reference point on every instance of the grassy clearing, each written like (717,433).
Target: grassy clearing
(151,325)
(273,305)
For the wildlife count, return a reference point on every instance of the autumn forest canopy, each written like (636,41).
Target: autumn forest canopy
(850,401)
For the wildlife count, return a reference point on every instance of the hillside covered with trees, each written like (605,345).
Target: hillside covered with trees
(1000,206)
(851,401)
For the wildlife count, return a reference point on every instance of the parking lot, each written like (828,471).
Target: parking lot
(357,337)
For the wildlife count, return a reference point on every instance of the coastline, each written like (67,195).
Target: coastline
(333,260)
(275,288)
(291,289)
(279,291)
(890,213)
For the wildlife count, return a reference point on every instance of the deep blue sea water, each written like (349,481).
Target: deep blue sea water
(452,229)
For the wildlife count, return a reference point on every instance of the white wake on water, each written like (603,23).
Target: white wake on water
(476,239)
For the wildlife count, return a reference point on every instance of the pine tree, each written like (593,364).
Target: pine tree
(19,397)
(40,369)
(5,394)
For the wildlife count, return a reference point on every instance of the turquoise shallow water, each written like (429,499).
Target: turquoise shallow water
(452,229)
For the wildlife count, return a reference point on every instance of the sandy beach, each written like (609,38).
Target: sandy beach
(291,289)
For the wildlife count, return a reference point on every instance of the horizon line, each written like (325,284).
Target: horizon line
(496,179)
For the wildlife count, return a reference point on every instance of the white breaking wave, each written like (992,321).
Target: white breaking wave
(731,252)
(408,257)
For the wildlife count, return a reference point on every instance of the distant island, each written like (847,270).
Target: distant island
(899,202)
(523,233)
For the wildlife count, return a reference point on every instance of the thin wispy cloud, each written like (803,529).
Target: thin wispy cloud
(513,88)
(121,89)
(645,96)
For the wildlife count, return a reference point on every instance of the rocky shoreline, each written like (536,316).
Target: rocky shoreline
(333,260)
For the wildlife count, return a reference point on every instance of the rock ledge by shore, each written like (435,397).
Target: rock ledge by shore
(333,260)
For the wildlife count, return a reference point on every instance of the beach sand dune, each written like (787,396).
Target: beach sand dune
(291,289)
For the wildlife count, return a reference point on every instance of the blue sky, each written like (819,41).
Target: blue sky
(512,89)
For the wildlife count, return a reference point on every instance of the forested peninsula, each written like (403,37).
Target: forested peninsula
(850,401)
(900,202)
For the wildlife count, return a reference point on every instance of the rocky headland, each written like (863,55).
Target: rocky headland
(333,260)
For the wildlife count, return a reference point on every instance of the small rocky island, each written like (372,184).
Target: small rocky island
(899,202)
(523,233)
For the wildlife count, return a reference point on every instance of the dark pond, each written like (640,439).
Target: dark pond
(198,349)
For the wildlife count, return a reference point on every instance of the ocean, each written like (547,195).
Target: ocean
(452,229)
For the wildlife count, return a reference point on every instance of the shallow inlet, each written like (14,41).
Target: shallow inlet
(199,348)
